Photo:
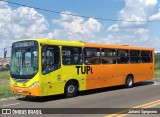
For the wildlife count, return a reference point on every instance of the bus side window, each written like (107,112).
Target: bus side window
(135,56)
(71,55)
(108,56)
(50,58)
(122,56)
(92,56)
(146,56)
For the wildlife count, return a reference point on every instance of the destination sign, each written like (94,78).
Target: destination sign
(24,44)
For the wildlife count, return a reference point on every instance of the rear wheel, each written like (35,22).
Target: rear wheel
(129,81)
(71,89)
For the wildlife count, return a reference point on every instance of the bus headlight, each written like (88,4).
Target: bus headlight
(34,84)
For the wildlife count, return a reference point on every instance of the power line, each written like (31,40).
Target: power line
(58,12)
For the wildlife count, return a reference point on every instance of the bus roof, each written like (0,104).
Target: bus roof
(87,44)
(118,46)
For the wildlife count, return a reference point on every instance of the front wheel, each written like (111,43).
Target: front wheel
(129,81)
(71,89)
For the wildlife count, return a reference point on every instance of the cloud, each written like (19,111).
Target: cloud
(77,27)
(134,33)
(20,23)
(135,10)
(155,16)
(24,22)
(137,3)
(114,28)
(141,31)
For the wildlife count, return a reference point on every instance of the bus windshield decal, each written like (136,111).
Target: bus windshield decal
(24,44)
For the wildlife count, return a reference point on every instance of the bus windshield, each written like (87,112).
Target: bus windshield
(24,62)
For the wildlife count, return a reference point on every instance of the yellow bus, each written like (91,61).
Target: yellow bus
(41,67)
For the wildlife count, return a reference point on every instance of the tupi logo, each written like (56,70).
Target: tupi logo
(84,69)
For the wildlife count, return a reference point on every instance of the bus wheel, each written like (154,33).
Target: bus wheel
(71,89)
(129,81)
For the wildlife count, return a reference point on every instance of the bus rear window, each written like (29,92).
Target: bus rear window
(146,56)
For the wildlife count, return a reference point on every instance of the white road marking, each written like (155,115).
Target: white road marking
(10,104)
(156,83)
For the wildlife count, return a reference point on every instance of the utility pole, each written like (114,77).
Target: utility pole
(5,53)
(4,57)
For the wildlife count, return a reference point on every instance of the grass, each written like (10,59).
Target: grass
(4,75)
(157,70)
(157,73)
(5,85)
(5,89)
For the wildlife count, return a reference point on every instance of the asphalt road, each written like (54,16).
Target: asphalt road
(95,103)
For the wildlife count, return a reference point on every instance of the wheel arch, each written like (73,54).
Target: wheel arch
(73,80)
(129,83)
(130,75)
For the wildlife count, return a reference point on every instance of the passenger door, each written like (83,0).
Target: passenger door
(51,72)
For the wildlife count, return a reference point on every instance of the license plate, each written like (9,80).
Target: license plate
(19,91)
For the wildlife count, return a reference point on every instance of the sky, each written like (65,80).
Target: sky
(20,22)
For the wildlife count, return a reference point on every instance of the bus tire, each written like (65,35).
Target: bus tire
(129,81)
(71,89)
